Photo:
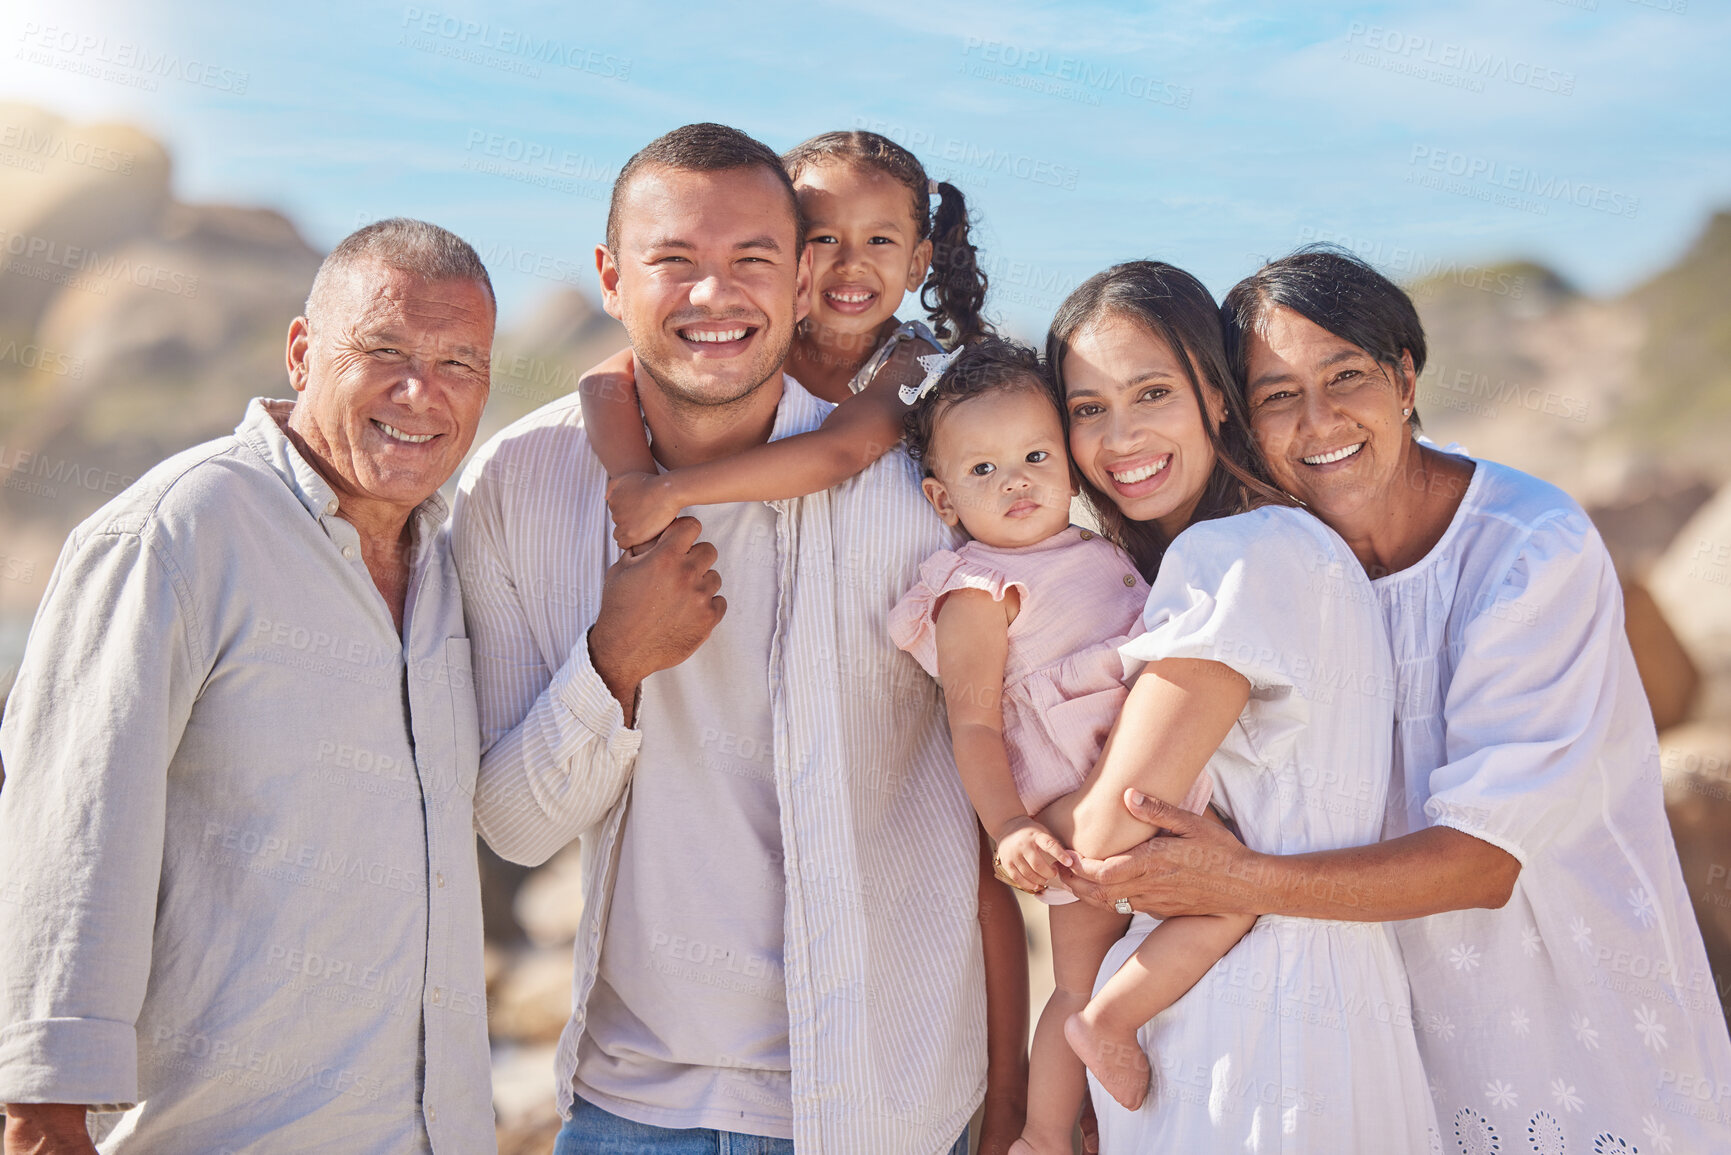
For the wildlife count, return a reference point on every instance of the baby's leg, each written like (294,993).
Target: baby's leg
(1171,960)
(1081,936)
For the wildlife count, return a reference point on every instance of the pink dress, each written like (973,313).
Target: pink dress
(1064,680)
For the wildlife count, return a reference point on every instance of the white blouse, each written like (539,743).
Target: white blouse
(1580,1017)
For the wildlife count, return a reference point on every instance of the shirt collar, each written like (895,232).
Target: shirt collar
(798,411)
(261,430)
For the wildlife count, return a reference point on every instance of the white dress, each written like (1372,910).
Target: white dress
(1581,1017)
(1301,1038)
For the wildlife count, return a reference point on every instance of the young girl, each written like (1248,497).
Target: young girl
(873,238)
(1021,626)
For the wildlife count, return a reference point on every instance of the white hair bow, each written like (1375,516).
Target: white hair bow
(934,364)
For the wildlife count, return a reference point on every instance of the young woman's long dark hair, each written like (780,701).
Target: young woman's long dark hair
(954,293)
(1171,306)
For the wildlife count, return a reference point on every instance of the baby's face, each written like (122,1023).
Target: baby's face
(1000,469)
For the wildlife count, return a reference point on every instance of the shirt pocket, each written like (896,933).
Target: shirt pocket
(465,717)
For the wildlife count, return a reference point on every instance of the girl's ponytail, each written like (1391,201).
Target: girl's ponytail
(954,294)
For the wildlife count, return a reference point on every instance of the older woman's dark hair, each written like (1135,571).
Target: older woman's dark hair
(1334,290)
(988,365)
(1174,307)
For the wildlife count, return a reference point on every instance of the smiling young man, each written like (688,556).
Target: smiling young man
(240,900)
(779,942)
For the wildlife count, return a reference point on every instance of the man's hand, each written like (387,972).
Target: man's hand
(642,505)
(47,1129)
(1028,855)
(657,607)
(1194,867)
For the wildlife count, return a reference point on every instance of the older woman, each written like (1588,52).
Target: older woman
(1559,981)
(1300,1040)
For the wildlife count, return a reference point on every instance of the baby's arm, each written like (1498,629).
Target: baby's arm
(973,644)
(860,430)
(608,395)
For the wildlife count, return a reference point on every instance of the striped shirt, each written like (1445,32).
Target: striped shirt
(885,984)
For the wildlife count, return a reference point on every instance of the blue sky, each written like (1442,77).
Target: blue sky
(1591,135)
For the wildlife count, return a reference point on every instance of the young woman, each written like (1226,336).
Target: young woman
(1267,666)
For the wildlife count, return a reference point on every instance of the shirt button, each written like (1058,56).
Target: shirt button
(438,995)
(1130,580)
(440,878)
(349,552)
(331,507)
(432,1114)
(1087,535)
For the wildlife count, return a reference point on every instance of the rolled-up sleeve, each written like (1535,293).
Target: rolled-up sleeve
(102,699)
(556,754)
(1525,712)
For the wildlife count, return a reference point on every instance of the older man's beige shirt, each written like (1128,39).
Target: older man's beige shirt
(881,958)
(237,857)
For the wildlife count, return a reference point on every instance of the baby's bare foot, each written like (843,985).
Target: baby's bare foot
(1117,1061)
(1023,1147)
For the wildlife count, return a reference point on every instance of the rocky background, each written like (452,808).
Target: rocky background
(133,325)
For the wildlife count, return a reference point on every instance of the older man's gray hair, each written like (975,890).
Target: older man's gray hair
(402,243)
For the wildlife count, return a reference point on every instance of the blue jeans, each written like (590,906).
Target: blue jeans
(593,1131)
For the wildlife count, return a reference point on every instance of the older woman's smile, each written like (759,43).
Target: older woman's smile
(1334,456)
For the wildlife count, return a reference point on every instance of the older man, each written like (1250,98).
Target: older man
(236,838)
(779,943)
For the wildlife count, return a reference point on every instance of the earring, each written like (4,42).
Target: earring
(1406,412)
